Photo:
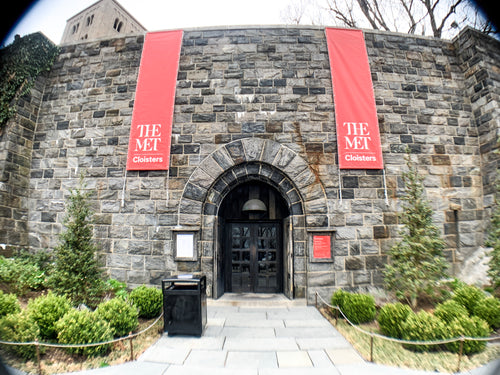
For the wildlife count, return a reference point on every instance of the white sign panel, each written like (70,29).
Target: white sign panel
(185,245)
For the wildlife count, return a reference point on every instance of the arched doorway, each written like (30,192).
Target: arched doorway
(251,219)
(239,162)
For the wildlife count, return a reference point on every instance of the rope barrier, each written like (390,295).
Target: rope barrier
(52,345)
(436,342)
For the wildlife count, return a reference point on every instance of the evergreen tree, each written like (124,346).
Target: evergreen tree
(77,273)
(416,261)
(494,242)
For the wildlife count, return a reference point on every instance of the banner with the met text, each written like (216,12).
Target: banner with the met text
(358,136)
(151,130)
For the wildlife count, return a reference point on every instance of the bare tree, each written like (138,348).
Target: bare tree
(439,18)
(304,12)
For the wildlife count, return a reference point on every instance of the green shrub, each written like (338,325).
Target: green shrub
(121,315)
(338,298)
(488,309)
(391,318)
(468,327)
(450,310)
(118,288)
(22,274)
(20,327)
(423,326)
(468,296)
(46,311)
(359,308)
(84,327)
(8,304)
(148,300)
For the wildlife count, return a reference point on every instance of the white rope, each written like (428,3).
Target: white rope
(436,342)
(131,336)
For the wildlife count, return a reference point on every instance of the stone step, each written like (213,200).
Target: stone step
(256,300)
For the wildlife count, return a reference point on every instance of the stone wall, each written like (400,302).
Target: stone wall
(16,147)
(257,103)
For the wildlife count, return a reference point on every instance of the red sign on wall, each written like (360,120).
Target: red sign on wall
(322,247)
(151,130)
(358,137)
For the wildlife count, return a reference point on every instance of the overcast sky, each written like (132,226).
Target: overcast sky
(50,16)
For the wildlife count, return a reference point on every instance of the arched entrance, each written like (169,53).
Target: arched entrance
(252,217)
(238,163)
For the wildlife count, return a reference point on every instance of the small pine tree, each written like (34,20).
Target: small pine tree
(494,242)
(416,261)
(77,273)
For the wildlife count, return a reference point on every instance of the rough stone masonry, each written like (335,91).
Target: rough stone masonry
(256,103)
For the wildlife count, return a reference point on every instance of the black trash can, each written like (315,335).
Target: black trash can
(185,305)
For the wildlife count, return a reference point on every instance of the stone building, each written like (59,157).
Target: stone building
(254,118)
(103,19)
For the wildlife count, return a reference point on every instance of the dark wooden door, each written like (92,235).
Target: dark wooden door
(255,257)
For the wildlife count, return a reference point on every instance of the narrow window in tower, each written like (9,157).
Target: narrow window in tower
(118,25)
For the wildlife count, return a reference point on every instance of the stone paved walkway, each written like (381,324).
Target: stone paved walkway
(267,336)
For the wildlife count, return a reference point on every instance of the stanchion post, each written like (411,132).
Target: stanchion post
(131,346)
(460,353)
(37,348)
(371,347)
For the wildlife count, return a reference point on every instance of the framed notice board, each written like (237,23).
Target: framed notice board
(321,246)
(185,245)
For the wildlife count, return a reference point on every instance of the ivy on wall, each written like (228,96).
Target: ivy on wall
(20,64)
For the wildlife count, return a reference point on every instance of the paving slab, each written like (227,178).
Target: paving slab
(294,359)
(344,356)
(246,332)
(306,323)
(206,358)
(254,360)
(186,342)
(320,359)
(197,370)
(260,344)
(314,332)
(322,343)
(162,354)
(295,313)
(258,323)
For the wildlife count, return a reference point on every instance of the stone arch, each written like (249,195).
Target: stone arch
(254,159)
(276,161)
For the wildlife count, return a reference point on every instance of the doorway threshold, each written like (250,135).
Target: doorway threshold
(256,300)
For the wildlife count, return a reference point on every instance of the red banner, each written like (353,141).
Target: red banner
(151,130)
(358,137)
